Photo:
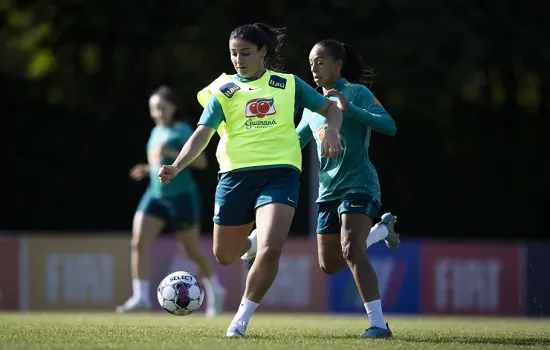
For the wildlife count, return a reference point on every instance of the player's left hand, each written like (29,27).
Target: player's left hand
(342,100)
(167,173)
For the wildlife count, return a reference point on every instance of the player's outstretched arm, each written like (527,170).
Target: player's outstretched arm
(190,151)
(200,163)
(367,109)
(194,146)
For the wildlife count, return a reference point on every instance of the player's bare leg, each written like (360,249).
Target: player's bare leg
(230,242)
(273,222)
(189,240)
(355,229)
(145,229)
(329,252)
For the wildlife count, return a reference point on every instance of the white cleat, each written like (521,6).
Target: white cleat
(215,307)
(134,305)
(237,329)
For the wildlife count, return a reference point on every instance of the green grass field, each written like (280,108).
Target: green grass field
(266,331)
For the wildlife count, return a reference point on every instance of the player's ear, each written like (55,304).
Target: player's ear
(263,52)
(339,65)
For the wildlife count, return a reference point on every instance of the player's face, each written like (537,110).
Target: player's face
(324,68)
(247,59)
(161,110)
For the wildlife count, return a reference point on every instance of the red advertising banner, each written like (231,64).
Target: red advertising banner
(299,287)
(471,279)
(9,273)
(78,272)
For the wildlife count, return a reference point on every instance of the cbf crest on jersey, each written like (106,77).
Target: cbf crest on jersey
(229,89)
(277,82)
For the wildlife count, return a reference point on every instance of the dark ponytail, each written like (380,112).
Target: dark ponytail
(353,68)
(261,34)
(166,93)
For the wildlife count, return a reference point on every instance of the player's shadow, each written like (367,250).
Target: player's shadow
(519,341)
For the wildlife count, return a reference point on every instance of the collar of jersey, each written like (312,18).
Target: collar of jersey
(339,84)
(248,80)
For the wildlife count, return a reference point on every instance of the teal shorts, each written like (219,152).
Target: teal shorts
(328,217)
(180,212)
(239,193)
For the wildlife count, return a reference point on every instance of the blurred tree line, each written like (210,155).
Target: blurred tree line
(467,83)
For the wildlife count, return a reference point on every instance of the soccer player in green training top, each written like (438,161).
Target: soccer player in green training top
(259,156)
(349,190)
(176,205)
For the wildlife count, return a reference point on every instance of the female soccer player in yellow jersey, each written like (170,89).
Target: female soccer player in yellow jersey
(259,156)
(349,190)
(176,205)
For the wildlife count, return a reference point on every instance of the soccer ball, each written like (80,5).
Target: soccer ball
(180,293)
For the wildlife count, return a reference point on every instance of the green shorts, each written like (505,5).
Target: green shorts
(239,193)
(180,212)
(328,217)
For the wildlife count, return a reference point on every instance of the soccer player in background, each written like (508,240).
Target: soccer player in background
(259,156)
(177,205)
(349,190)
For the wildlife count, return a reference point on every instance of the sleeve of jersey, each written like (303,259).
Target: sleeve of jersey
(367,109)
(212,115)
(303,130)
(307,97)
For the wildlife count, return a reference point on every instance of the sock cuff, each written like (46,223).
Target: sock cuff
(249,303)
(373,305)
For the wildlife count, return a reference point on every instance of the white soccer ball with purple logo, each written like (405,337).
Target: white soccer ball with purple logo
(180,293)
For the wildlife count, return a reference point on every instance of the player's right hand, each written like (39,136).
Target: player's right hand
(167,173)
(331,145)
(139,171)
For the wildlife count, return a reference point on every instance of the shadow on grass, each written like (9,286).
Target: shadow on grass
(520,341)
(474,340)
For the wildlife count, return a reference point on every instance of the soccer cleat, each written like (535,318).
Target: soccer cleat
(134,305)
(248,258)
(216,307)
(392,240)
(377,332)
(237,329)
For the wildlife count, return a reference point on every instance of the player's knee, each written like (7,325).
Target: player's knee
(331,261)
(192,252)
(270,253)
(136,244)
(225,260)
(224,257)
(351,248)
(331,268)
